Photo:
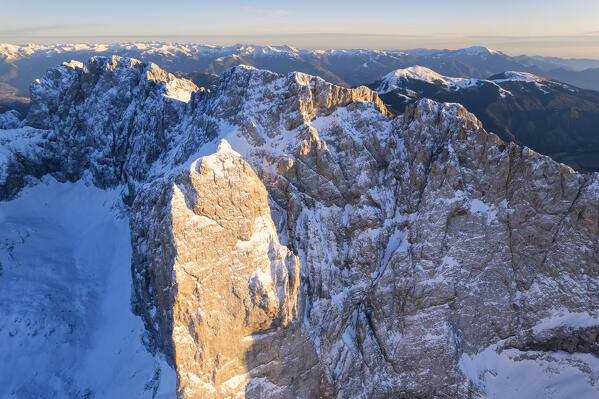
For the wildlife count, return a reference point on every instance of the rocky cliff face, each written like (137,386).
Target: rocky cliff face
(110,117)
(220,276)
(323,249)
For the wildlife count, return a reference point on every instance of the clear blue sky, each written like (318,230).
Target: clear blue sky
(546,27)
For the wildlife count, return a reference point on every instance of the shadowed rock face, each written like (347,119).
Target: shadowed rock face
(324,250)
(550,117)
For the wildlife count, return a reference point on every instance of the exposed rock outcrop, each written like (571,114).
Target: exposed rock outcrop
(334,252)
(220,275)
(111,117)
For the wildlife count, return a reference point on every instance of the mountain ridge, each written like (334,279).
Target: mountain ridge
(423,241)
(546,115)
(22,64)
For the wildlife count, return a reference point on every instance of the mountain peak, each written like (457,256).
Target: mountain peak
(392,80)
(94,78)
(518,76)
(303,95)
(543,84)
(479,50)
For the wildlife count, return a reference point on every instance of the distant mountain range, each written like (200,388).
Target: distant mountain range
(551,117)
(20,65)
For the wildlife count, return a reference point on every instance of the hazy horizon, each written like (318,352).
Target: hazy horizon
(545,28)
(261,42)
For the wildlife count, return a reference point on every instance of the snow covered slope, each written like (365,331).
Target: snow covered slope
(66,327)
(510,373)
(392,81)
(400,78)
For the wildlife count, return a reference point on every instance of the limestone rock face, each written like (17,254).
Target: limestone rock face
(108,116)
(326,250)
(225,280)
(232,276)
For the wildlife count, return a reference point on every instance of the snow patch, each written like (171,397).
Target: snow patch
(565,318)
(180,89)
(66,328)
(512,373)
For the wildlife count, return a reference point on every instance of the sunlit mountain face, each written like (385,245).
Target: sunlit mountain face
(189,221)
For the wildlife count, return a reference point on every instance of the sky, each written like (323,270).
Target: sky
(533,27)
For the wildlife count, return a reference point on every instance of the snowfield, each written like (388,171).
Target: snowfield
(511,373)
(66,328)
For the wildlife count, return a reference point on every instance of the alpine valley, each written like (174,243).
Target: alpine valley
(274,235)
